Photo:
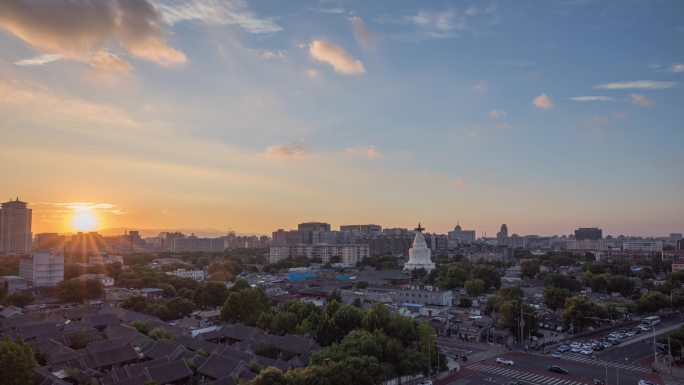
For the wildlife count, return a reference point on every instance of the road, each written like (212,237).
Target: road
(532,369)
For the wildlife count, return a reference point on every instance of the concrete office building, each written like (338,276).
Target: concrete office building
(43,268)
(425,295)
(588,233)
(348,254)
(15,228)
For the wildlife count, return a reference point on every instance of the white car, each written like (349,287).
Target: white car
(644,382)
(587,351)
(576,349)
(575,345)
(504,361)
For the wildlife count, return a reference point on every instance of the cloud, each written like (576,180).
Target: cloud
(70,207)
(459,183)
(336,56)
(107,61)
(641,100)
(435,25)
(367,152)
(312,73)
(595,98)
(365,37)
(39,60)
(276,54)
(332,10)
(620,115)
(76,29)
(636,85)
(504,126)
(677,68)
(295,150)
(215,12)
(542,101)
(496,114)
(480,87)
(433,176)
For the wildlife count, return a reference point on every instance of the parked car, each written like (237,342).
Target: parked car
(563,348)
(575,344)
(630,333)
(576,349)
(607,344)
(557,369)
(587,351)
(504,361)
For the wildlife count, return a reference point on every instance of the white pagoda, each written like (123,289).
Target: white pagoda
(419,254)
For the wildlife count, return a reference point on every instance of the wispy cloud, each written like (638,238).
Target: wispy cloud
(215,12)
(480,87)
(594,98)
(273,54)
(312,73)
(365,37)
(367,152)
(459,183)
(641,100)
(295,150)
(543,102)
(636,85)
(677,68)
(433,176)
(336,56)
(497,114)
(75,29)
(332,10)
(39,60)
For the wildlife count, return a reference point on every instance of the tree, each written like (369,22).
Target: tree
(598,283)
(16,362)
(465,302)
(529,269)
(245,305)
(555,297)
(621,284)
(211,295)
(652,302)
(580,311)
(17,299)
(140,326)
(560,280)
(78,290)
(270,376)
(474,287)
(160,334)
(488,274)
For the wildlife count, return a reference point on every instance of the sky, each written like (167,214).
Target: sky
(258,115)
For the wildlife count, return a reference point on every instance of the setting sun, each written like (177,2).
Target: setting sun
(84,221)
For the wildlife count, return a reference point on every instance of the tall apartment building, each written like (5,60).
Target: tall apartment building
(361,228)
(49,241)
(15,228)
(502,235)
(348,254)
(43,268)
(588,233)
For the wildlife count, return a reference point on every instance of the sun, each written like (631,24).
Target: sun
(84,221)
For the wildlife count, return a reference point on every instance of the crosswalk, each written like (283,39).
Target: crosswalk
(592,361)
(523,376)
(673,381)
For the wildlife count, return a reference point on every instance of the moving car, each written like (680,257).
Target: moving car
(563,348)
(504,361)
(644,382)
(557,369)
(556,355)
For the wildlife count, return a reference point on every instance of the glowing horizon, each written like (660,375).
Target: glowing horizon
(277,113)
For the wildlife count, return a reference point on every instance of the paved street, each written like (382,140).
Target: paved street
(533,369)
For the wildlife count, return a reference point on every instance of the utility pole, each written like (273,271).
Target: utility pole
(669,348)
(655,356)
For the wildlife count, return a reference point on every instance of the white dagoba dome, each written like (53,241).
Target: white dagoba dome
(419,254)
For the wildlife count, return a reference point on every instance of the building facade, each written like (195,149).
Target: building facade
(348,254)
(197,275)
(425,295)
(15,228)
(43,268)
(588,233)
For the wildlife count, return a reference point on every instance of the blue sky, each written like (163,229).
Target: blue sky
(257,115)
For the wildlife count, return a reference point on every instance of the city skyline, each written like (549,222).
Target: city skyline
(259,115)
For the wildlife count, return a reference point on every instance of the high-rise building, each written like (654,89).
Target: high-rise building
(15,228)
(49,241)
(502,235)
(362,228)
(43,268)
(588,233)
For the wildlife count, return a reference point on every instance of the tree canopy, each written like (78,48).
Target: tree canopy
(16,362)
